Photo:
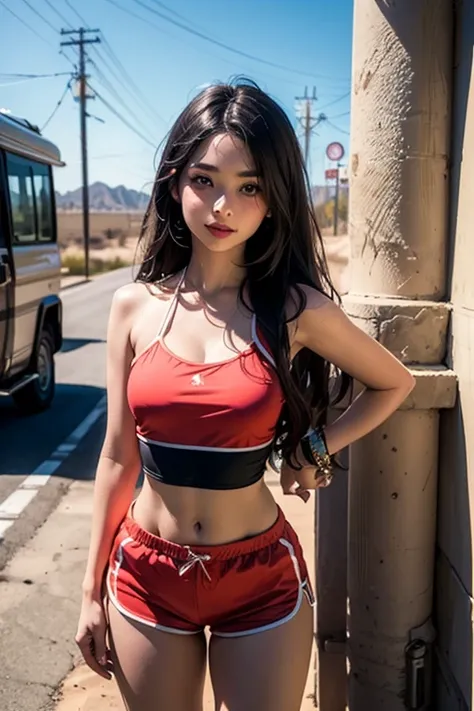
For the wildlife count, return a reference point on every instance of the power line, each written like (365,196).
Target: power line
(34,76)
(71,7)
(205,37)
(111,89)
(26,78)
(335,101)
(149,23)
(133,14)
(71,61)
(125,77)
(15,83)
(32,29)
(189,28)
(68,85)
(23,22)
(336,128)
(47,22)
(170,10)
(61,17)
(121,118)
(130,86)
(133,86)
(346,113)
(178,15)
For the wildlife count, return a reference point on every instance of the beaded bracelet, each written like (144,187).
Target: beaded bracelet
(315,450)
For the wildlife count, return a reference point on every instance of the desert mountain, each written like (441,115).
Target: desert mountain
(103,198)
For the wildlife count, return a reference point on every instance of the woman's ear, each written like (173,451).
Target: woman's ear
(174,186)
(175,192)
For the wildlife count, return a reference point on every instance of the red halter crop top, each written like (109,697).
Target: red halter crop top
(205,425)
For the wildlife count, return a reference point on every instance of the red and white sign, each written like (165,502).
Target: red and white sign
(335,151)
(331,173)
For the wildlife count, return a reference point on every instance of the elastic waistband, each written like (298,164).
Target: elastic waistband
(219,552)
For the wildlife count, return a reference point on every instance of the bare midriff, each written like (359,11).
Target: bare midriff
(203,517)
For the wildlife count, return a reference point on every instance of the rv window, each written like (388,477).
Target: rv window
(21,200)
(31,200)
(42,185)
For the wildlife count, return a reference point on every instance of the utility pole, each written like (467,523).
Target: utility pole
(82,79)
(336,202)
(304,105)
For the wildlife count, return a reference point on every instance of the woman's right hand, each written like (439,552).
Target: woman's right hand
(90,637)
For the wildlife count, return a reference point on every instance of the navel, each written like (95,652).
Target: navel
(197,527)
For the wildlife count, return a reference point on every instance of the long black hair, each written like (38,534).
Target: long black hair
(284,253)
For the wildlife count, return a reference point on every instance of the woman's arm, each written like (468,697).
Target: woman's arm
(324,328)
(119,462)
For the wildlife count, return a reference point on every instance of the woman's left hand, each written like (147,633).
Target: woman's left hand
(300,482)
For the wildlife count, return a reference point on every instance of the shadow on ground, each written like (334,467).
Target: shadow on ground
(27,441)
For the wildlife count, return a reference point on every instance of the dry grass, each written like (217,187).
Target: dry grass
(114,238)
(102,225)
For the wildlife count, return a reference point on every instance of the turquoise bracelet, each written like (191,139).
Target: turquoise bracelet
(315,450)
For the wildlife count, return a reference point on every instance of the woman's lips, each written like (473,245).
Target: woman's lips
(220,231)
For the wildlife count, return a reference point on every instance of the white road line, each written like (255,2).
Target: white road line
(14,505)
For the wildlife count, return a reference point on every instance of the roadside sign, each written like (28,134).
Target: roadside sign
(344,175)
(335,151)
(331,173)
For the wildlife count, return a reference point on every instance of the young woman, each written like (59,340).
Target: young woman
(221,356)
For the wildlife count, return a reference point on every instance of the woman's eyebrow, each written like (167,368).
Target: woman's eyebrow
(214,169)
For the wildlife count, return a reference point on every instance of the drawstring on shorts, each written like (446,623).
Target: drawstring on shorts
(194,558)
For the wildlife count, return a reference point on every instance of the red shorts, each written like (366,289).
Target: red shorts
(236,589)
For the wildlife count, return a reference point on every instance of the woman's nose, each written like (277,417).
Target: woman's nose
(222,207)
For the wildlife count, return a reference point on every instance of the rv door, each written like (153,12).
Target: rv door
(6,286)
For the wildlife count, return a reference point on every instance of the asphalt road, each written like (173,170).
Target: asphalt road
(26,442)
(37,623)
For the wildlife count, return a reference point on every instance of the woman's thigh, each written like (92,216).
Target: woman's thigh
(266,671)
(156,671)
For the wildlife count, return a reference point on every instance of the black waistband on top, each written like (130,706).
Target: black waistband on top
(203,468)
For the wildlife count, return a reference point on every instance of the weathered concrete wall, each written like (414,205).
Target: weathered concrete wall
(456,477)
(400,141)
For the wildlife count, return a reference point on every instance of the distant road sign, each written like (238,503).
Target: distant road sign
(331,173)
(343,175)
(335,151)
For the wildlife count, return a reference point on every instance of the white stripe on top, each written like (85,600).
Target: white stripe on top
(204,449)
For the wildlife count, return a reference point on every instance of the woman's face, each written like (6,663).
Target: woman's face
(220,194)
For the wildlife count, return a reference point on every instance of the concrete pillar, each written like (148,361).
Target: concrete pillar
(402,66)
(331,592)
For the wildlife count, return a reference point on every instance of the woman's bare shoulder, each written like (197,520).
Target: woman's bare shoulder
(134,296)
(304,296)
(129,297)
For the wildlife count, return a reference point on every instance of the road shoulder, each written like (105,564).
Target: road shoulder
(39,602)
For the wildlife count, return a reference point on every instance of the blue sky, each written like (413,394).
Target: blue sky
(312,39)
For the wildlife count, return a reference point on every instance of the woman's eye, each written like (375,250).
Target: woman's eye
(251,189)
(201,180)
